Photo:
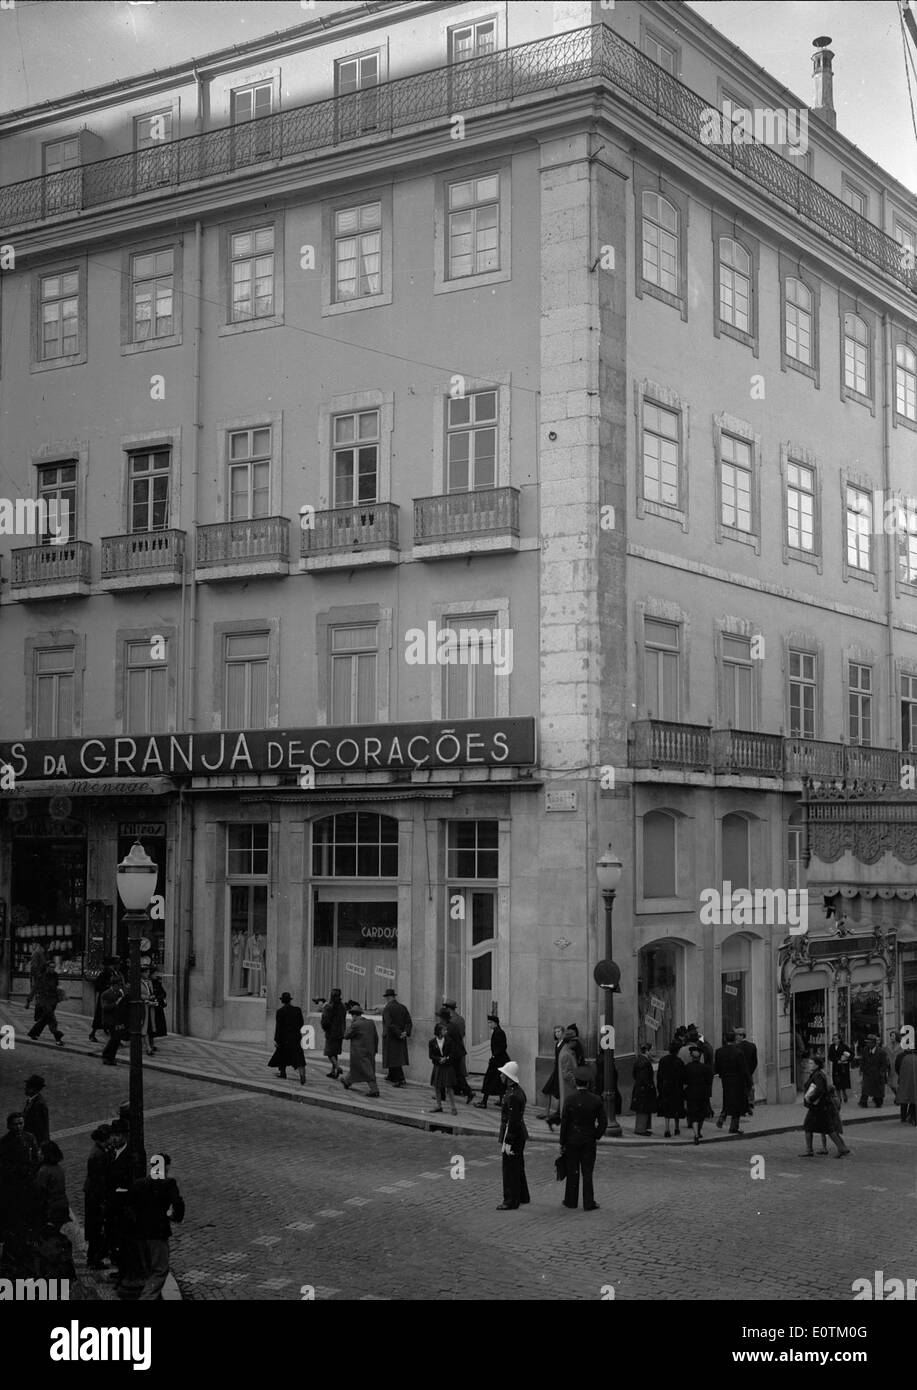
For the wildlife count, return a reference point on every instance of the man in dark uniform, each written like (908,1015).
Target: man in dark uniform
(582,1125)
(730,1066)
(397,1026)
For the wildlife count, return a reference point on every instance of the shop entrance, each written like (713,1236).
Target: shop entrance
(470,964)
(810,1033)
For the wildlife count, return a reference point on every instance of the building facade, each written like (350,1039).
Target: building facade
(414,386)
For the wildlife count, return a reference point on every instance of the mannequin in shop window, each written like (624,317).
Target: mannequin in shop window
(237,950)
(253,964)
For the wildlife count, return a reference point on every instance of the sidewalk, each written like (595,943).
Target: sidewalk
(244,1065)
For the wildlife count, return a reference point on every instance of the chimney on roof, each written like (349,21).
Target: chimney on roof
(823,105)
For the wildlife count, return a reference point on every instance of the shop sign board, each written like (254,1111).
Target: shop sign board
(730,989)
(355,969)
(385,973)
(651,1022)
(657,1003)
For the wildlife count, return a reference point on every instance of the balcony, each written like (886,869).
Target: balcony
(538,70)
(351,538)
(467,523)
(145,560)
(259,546)
(43,572)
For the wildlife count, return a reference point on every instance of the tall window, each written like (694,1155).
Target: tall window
(906,526)
(738,683)
(802,694)
(249,473)
(906,238)
(55,681)
(856,354)
(660,242)
(249,104)
(146,690)
(62,154)
(906,381)
(859,528)
(149,475)
(152,287)
(247,865)
(909,714)
(736,482)
(735,284)
(472,849)
(355,844)
(471,442)
(358,251)
(356,458)
(856,200)
(57,486)
(859,703)
(660,454)
(659,52)
(735,851)
(795,857)
(154,158)
(353,674)
(60,316)
(469,690)
(660,869)
(61,188)
(357,78)
(252,262)
(474,226)
(798,326)
(246,657)
(800,507)
(661,655)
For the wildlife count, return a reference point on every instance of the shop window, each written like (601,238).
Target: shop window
(471,849)
(909,985)
(810,1032)
(354,949)
(733,1000)
(355,844)
(247,862)
(735,851)
(48,897)
(657,1003)
(659,855)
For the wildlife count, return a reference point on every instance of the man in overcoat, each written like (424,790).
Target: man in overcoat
(751,1061)
(875,1066)
(364,1044)
(288,1026)
(397,1026)
(906,1069)
(455,1027)
(35,1111)
(730,1066)
(334,1026)
(95,1195)
(582,1125)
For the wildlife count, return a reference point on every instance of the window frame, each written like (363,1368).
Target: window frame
(845,306)
(907,673)
(723,665)
(800,645)
(241,628)
(471,691)
(903,339)
(79,265)
(684,874)
(739,430)
(794,270)
(174,339)
(722,228)
(472,428)
(358,197)
(336,659)
(58,639)
(651,34)
(676,651)
(228,230)
(74,516)
(442,282)
(865,698)
(354,446)
(649,181)
(497,608)
(864,486)
(794,455)
(356,403)
(124,637)
(352,615)
(664,398)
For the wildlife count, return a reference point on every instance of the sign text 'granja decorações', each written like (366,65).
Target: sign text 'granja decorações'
(383,747)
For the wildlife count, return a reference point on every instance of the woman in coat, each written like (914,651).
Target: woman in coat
(551,1089)
(53,1208)
(493,1082)
(822,1112)
(643,1101)
(288,1040)
(442,1078)
(670,1081)
(906,1069)
(513,1135)
(839,1055)
(364,1044)
(334,1025)
(698,1084)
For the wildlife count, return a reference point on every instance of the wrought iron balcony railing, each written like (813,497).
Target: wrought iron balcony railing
(659,743)
(457,515)
(544,65)
(145,552)
(51,564)
(228,542)
(351,528)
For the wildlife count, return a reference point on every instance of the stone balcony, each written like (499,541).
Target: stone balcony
(52,571)
(351,538)
(467,523)
(258,546)
(144,560)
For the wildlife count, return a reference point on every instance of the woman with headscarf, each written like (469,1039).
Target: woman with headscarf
(643,1099)
(513,1135)
(823,1114)
(493,1081)
(670,1083)
(334,1026)
(839,1055)
(443,1076)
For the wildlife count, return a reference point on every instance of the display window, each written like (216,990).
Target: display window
(657,998)
(48,900)
(810,1030)
(247,864)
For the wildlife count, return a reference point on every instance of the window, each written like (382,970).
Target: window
(659,855)
(355,79)
(859,703)
(735,851)
(798,325)
(472,849)
(146,690)
(909,714)
(906,381)
(355,844)
(252,272)
(856,354)
(906,528)
(738,683)
(247,858)
(471,442)
(802,694)
(800,507)
(152,286)
(660,242)
(660,52)
(358,252)
(660,454)
(736,483)
(250,104)
(356,458)
(55,687)
(57,488)
(473,226)
(477,40)
(472,83)
(661,658)
(246,658)
(149,474)
(795,853)
(249,473)
(61,154)
(855,200)
(154,159)
(353,674)
(735,285)
(469,679)
(906,238)
(60,188)
(859,528)
(60,319)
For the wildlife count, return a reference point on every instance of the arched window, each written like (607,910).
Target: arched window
(660,242)
(735,851)
(660,874)
(906,381)
(856,354)
(798,324)
(355,844)
(735,284)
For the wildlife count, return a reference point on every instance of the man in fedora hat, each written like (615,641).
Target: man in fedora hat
(288,1026)
(397,1026)
(875,1067)
(513,1135)
(364,1044)
(455,1027)
(35,1111)
(582,1125)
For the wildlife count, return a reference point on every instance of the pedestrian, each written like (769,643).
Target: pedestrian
(894,1050)
(95,1191)
(155,1203)
(38,964)
(670,1084)
(101,983)
(643,1101)
(823,1114)
(288,1026)
(116,1020)
(119,1235)
(839,1055)
(364,1044)
(397,1026)
(51,1185)
(456,1028)
(35,1110)
(875,1066)
(513,1135)
(906,1070)
(49,995)
(156,1009)
(582,1125)
(566,1071)
(751,1062)
(442,1077)
(334,1026)
(551,1088)
(730,1066)
(494,1084)
(19,1161)
(698,1081)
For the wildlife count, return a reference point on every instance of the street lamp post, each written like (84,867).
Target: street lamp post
(137,875)
(608,873)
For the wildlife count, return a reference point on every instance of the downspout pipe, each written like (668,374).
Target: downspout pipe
(890,532)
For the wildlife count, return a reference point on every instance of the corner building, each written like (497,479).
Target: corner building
(414,328)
